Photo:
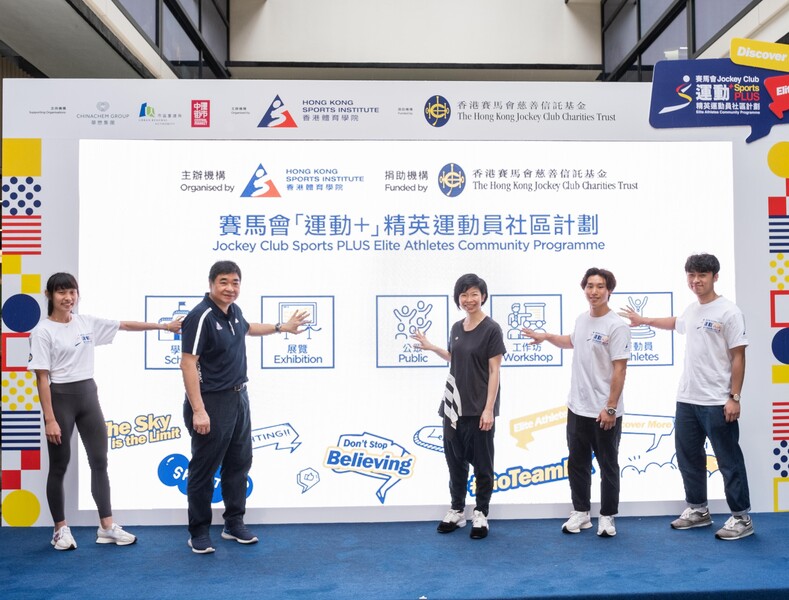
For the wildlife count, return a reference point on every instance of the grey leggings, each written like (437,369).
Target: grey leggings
(77,404)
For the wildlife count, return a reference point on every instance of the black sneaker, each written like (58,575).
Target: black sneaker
(454,519)
(479,526)
(201,544)
(239,533)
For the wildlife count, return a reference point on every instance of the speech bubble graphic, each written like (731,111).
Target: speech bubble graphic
(282,437)
(716,93)
(756,53)
(371,456)
(430,437)
(307,479)
(656,426)
(523,428)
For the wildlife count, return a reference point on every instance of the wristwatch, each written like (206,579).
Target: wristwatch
(278,328)
(735,397)
(610,410)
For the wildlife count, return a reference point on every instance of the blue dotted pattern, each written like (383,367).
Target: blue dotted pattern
(21,196)
(781,464)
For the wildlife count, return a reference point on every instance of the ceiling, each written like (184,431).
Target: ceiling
(54,38)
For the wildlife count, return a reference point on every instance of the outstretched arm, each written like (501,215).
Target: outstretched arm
(425,344)
(658,322)
(297,320)
(538,337)
(171,326)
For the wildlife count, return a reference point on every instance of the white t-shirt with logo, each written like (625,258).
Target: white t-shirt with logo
(66,350)
(712,329)
(597,342)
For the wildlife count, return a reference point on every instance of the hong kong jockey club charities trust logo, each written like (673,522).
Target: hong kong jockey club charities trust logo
(437,111)
(452,180)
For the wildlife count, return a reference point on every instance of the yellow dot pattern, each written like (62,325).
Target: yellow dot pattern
(780,272)
(19,391)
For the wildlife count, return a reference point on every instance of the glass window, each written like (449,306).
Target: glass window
(714,15)
(214,32)
(674,41)
(223,8)
(192,9)
(620,37)
(178,49)
(651,11)
(143,12)
(633,73)
(609,9)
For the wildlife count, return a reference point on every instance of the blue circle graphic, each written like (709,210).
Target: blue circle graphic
(173,471)
(21,312)
(781,346)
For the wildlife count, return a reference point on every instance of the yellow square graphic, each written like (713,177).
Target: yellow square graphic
(781,494)
(31,284)
(22,157)
(12,264)
(780,373)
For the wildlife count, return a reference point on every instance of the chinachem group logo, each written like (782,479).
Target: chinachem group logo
(277,115)
(451,180)
(437,111)
(260,185)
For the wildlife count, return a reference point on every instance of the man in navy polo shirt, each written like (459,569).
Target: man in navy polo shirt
(216,409)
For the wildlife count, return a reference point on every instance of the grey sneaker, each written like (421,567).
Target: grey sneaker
(578,520)
(454,519)
(735,528)
(692,517)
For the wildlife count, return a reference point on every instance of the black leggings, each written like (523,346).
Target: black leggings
(77,404)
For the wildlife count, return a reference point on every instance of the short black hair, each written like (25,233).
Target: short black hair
(59,281)
(702,263)
(223,267)
(470,280)
(608,276)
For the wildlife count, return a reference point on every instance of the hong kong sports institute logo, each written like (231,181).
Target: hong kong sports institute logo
(437,111)
(260,185)
(277,115)
(451,180)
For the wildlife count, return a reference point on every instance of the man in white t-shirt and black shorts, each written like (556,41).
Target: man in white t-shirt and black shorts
(708,399)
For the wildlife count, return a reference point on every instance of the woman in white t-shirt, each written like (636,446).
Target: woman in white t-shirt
(62,356)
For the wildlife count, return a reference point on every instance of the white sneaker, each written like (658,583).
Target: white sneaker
(479,526)
(63,540)
(578,520)
(605,526)
(114,535)
(454,519)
